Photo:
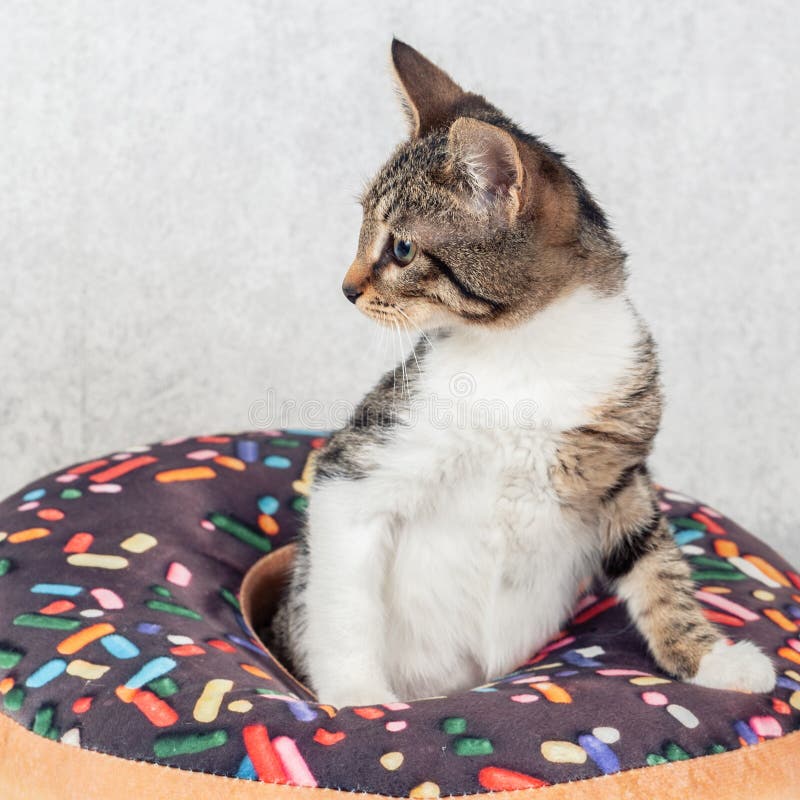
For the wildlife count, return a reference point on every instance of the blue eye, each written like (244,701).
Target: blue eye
(404,251)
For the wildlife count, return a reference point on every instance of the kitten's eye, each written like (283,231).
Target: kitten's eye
(404,251)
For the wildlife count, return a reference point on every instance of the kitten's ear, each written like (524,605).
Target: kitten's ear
(428,93)
(486,163)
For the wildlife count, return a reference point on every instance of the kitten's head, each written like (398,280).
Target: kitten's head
(472,221)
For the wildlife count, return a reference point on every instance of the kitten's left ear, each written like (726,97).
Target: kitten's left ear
(486,160)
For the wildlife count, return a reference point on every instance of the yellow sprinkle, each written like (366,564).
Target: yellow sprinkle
(425,791)
(563,752)
(550,665)
(3,535)
(95,560)
(207,706)
(794,700)
(793,674)
(649,680)
(86,670)
(764,595)
(392,761)
(139,543)
(240,706)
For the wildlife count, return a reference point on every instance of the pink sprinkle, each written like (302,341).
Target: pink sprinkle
(294,764)
(768,727)
(120,456)
(67,478)
(396,706)
(621,673)
(525,698)
(662,506)
(396,725)
(710,512)
(178,574)
(105,488)
(794,644)
(654,698)
(28,506)
(202,455)
(107,598)
(536,679)
(272,433)
(584,602)
(559,643)
(177,440)
(727,605)
(209,526)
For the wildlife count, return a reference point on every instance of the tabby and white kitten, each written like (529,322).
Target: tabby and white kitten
(437,556)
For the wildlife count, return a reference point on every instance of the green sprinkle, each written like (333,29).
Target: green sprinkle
(71,494)
(163,687)
(714,563)
(241,531)
(174,744)
(172,608)
(53,734)
(473,747)
(161,591)
(284,442)
(714,749)
(654,759)
(43,720)
(44,621)
(230,598)
(6,565)
(711,575)
(14,699)
(675,752)
(454,725)
(685,522)
(9,658)
(300,503)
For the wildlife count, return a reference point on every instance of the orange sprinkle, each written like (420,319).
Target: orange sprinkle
(231,463)
(80,639)
(268,524)
(125,694)
(781,706)
(82,705)
(28,535)
(214,439)
(780,619)
(6,685)
(259,673)
(50,514)
(789,654)
(768,570)
(725,548)
(552,692)
(57,607)
(220,645)
(717,589)
(187,650)
(722,619)
(711,526)
(123,468)
(186,474)
(368,712)
(79,543)
(89,466)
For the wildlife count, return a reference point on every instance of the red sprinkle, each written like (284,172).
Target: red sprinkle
(368,712)
(89,466)
(122,468)
(160,714)
(57,607)
(220,645)
(327,738)
(597,608)
(79,543)
(82,705)
(497,779)
(50,514)
(266,762)
(711,526)
(187,650)
(722,619)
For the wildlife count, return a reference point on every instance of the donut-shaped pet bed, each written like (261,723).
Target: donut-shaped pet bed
(130,667)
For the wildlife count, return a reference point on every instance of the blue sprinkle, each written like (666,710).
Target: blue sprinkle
(119,646)
(279,462)
(600,753)
(46,673)
(305,432)
(246,450)
(565,673)
(578,660)
(484,689)
(788,683)
(793,610)
(246,770)
(33,494)
(63,589)
(150,671)
(745,731)
(149,628)
(302,711)
(268,504)
(244,643)
(687,536)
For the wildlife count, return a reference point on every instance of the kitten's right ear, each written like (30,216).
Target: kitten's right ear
(428,93)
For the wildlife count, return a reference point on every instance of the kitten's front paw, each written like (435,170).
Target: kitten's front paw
(361,695)
(741,667)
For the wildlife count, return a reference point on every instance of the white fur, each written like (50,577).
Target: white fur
(452,561)
(741,666)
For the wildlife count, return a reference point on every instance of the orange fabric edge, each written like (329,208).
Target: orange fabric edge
(35,768)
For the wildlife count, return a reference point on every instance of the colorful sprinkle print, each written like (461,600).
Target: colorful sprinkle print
(121,631)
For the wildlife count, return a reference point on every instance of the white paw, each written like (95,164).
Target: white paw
(741,667)
(362,695)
